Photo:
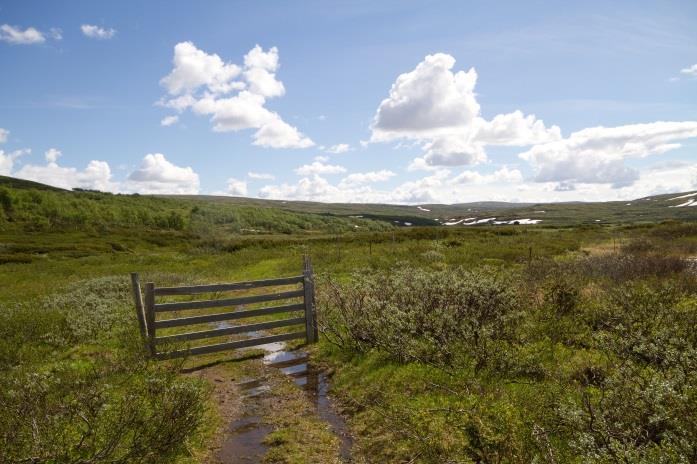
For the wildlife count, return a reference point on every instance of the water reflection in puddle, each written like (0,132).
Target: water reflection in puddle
(245,442)
(316,386)
(247,434)
(254,387)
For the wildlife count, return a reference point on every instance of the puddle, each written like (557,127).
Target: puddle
(254,387)
(244,443)
(316,386)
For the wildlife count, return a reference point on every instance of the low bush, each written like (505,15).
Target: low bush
(432,316)
(76,386)
(620,267)
(582,359)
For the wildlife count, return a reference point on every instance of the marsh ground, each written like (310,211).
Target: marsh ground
(587,321)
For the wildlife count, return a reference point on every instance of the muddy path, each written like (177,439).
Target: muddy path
(273,406)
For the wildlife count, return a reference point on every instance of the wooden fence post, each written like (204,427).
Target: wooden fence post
(150,315)
(138,297)
(308,286)
(315,334)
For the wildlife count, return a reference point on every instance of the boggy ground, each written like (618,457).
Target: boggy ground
(272,406)
(76,386)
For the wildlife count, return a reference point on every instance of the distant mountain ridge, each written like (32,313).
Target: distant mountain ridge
(655,208)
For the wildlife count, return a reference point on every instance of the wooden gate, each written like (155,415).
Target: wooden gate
(148,310)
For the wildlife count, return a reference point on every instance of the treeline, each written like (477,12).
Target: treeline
(34,210)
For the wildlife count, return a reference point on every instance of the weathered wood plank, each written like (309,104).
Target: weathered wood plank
(138,298)
(308,288)
(150,315)
(230,330)
(228,316)
(230,345)
(194,289)
(227,301)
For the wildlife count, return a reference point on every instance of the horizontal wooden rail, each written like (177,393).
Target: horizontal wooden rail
(230,330)
(227,316)
(227,302)
(230,345)
(297,291)
(191,290)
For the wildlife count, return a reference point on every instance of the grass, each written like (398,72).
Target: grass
(595,306)
(593,363)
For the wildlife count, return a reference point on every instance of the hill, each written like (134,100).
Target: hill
(655,208)
(32,206)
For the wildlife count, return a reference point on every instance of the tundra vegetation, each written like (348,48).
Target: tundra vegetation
(508,344)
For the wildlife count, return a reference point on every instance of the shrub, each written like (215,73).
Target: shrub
(635,415)
(622,267)
(84,412)
(75,386)
(94,308)
(411,314)
(562,295)
(638,245)
(6,200)
(650,325)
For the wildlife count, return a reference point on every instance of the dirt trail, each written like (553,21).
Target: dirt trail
(258,407)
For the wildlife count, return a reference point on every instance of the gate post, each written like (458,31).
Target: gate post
(150,315)
(309,287)
(138,297)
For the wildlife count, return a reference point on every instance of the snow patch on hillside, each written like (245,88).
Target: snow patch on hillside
(683,196)
(687,203)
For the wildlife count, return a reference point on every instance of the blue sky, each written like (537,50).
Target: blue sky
(489,98)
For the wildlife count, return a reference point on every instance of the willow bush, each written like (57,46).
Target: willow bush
(414,314)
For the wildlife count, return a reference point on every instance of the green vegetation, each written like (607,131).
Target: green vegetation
(23,207)
(574,358)
(447,344)
(76,386)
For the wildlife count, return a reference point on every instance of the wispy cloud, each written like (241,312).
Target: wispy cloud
(339,148)
(260,176)
(690,71)
(15,35)
(169,120)
(96,32)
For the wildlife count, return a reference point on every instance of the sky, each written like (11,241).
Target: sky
(393,101)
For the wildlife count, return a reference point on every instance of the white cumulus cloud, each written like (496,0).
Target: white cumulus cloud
(4,134)
(236,187)
(15,35)
(360,178)
(194,68)
(96,32)
(52,155)
(311,188)
(597,154)
(233,96)
(438,108)
(427,101)
(319,166)
(169,120)
(503,175)
(96,176)
(279,134)
(7,160)
(515,129)
(157,175)
(260,68)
